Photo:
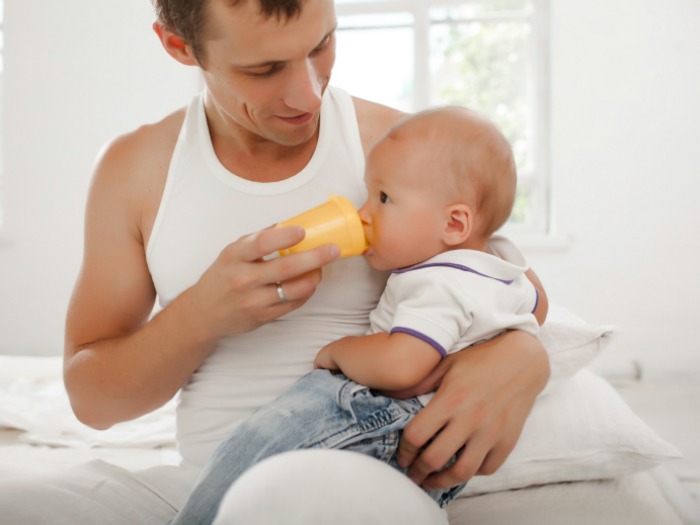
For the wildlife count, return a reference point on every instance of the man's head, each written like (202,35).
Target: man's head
(265,63)
(188,18)
(440,179)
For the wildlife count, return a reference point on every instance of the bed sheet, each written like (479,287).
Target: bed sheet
(18,458)
(636,499)
(631,500)
(50,438)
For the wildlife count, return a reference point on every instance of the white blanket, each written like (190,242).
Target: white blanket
(34,403)
(33,400)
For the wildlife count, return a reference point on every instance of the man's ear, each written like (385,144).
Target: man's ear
(458,224)
(175,46)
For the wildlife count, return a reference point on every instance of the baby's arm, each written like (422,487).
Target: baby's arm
(542,300)
(382,361)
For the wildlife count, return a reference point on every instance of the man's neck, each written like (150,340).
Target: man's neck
(264,161)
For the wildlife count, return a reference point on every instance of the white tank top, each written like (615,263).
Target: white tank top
(205,207)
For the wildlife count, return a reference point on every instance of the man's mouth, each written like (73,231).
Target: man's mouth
(303,118)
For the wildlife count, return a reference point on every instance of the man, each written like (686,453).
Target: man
(166,205)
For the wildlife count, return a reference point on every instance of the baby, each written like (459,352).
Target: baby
(440,183)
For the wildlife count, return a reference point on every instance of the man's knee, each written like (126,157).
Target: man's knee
(326,486)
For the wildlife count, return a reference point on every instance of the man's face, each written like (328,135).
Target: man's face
(266,76)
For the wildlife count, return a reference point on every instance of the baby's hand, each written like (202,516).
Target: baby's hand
(324,359)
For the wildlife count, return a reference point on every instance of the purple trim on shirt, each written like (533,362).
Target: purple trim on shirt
(456,267)
(537,299)
(422,337)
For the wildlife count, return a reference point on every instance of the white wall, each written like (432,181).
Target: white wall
(76,74)
(625,143)
(625,158)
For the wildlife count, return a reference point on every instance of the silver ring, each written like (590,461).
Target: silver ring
(280,293)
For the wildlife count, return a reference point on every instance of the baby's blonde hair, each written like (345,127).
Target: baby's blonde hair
(478,159)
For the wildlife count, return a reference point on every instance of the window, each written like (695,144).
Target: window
(489,55)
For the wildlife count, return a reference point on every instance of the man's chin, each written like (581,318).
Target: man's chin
(296,137)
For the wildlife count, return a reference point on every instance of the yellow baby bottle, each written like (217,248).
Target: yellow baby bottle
(334,222)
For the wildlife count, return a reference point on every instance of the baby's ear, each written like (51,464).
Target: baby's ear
(458,224)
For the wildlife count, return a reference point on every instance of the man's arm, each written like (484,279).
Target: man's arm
(542,299)
(484,395)
(118,364)
(382,361)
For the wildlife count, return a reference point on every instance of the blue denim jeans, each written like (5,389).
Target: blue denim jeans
(321,410)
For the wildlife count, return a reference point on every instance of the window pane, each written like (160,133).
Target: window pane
(482,59)
(486,66)
(374,59)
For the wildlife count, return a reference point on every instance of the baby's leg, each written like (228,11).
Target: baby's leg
(308,415)
(321,410)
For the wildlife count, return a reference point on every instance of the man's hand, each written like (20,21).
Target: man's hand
(484,395)
(238,292)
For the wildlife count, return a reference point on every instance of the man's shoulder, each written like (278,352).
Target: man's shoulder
(374,120)
(133,167)
(149,141)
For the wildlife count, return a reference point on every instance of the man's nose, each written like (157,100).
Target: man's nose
(306,89)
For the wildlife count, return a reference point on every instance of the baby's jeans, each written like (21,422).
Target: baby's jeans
(321,410)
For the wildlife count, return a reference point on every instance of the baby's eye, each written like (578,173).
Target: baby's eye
(383,197)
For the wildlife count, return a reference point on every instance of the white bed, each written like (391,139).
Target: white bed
(584,456)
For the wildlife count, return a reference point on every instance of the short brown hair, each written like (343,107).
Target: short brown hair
(187,18)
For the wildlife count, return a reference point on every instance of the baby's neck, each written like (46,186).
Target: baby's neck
(474,242)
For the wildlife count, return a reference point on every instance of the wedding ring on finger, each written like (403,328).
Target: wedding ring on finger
(280,293)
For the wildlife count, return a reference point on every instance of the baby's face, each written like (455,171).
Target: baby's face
(404,212)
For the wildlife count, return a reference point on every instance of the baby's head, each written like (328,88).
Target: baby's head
(468,158)
(440,179)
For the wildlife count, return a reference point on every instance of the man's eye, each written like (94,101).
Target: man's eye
(264,72)
(383,197)
(322,46)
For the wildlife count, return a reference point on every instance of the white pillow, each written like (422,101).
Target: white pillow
(571,343)
(583,430)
